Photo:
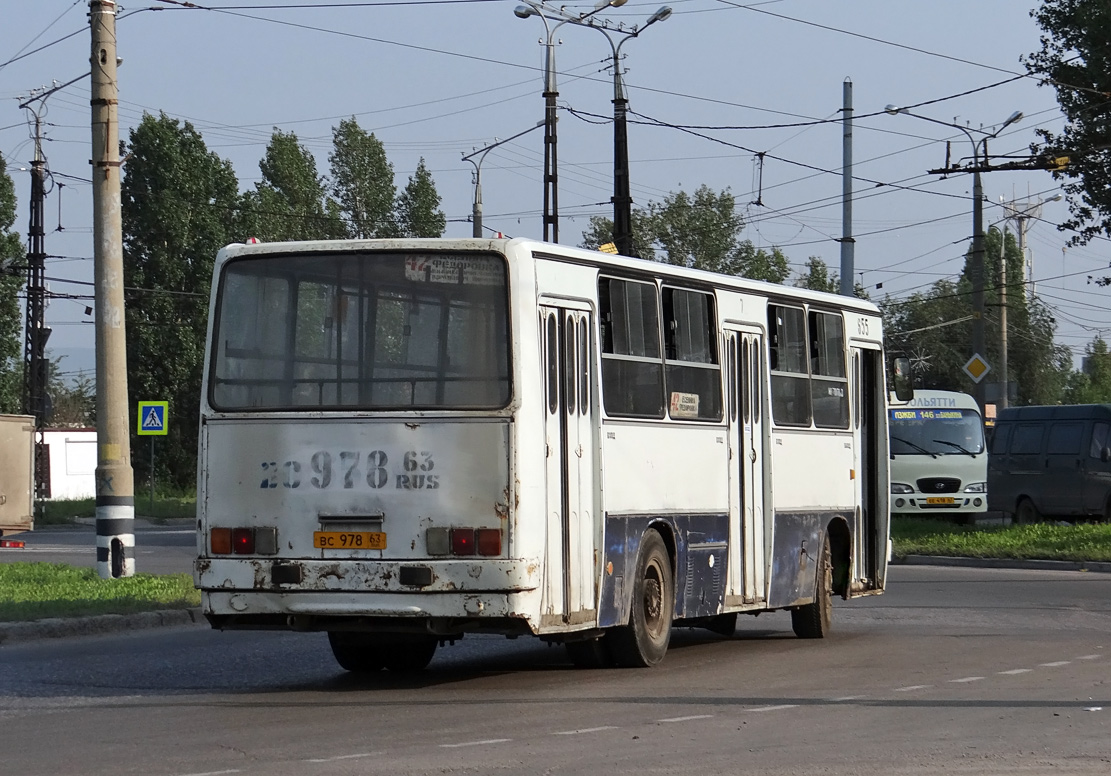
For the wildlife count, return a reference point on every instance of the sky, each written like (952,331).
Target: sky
(710,90)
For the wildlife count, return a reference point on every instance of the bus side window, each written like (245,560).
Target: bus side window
(1099,440)
(553,364)
(829,385)
(790,375)
(693,374)
(632,363)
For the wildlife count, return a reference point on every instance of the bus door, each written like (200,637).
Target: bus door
(570,576)
(869,414)
(744,355)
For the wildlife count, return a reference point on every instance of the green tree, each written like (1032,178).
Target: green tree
(11,284)
(418,206)
(1092,383)
(291,201)
(600,232)
(179,208)
(760,263)
(73,402)
(363,181)
(817,277)
(700,231)
(935,329)
(1075,57)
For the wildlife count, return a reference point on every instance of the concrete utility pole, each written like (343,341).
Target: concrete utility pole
(848,244)
(115,486)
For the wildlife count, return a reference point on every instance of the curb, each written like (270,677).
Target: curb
(65,627)
(1003,563)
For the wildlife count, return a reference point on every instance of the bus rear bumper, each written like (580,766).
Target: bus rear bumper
(442,614)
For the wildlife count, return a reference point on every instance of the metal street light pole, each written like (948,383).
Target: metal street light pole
(976,268)
(622,196)
(551,181)
(476,213)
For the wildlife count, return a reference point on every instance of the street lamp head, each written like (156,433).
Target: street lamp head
(1055,198)
(608,4)
(893,110)
(661,15)
(1014,118)
(525,11)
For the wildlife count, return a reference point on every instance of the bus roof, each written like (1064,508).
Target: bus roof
(509,246)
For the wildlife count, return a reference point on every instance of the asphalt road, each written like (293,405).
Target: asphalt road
(954,671)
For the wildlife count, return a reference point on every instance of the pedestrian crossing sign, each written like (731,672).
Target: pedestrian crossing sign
(154,417)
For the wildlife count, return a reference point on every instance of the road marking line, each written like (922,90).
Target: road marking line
(584,730)
(342,757)
(1055,664)
(1089,657)
(847,698)
(776,708)
(686,719)
(1016,671)
(477,743)
(913,687)
(966,680)
(213,773)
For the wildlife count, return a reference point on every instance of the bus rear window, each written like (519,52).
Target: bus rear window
(362,331)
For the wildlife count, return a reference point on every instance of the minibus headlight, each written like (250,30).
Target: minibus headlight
(977,487)
(900,487)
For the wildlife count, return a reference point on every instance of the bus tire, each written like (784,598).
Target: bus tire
(815,620)
(409,654)
(356,652)
(643,642)
(1026,513)
(589,653)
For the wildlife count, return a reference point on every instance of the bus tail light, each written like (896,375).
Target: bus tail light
(243,541)
(488,541)
(219,541)
(462,541)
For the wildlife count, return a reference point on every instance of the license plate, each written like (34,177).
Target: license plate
(348,540)
(939,500)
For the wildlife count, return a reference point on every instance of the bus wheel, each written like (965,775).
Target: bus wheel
(410,654)
(1026,513)
(357,652)
(589,653)
(643,642)
(815,620)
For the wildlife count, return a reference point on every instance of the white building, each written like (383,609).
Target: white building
(72,456)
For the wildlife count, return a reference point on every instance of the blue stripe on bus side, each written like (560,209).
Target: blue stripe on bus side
(699,586)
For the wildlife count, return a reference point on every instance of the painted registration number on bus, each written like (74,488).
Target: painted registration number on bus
(349,469)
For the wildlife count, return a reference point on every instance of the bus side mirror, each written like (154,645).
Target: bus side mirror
(1105,454)
(904,388)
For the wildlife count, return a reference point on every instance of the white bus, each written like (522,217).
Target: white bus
(939,463)
(403,442)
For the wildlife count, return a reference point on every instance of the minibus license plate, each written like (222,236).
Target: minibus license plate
(939,500)
(348,540)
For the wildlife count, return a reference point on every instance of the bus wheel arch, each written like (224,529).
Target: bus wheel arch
(642,643)
(815,619)
(840,550)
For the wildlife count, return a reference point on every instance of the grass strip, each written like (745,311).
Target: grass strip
(1041,541)
(33,591)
